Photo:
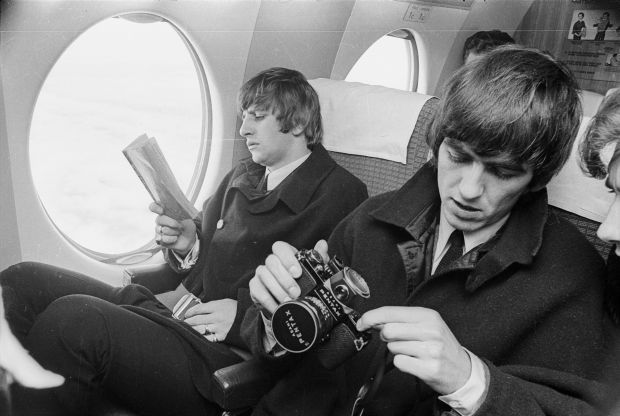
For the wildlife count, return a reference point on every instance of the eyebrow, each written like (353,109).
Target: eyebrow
(501,161)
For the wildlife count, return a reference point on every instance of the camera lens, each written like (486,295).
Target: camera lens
(299,324)
(356,282)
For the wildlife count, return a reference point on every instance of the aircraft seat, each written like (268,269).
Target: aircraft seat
(590,101)
(382,175)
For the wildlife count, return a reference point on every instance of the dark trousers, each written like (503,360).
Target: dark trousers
(73,325)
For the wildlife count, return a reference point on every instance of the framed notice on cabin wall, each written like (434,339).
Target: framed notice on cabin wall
(592,45)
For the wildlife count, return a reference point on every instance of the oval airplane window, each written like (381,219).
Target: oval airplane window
(125,76)
(391,61)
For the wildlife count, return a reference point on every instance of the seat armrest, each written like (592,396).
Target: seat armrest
(157,278)
(242,385)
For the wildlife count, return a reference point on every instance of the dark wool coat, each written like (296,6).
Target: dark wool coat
(531,308)
(239,224)
(303,209)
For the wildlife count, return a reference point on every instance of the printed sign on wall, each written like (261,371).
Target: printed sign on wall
(595,25)
(592,48)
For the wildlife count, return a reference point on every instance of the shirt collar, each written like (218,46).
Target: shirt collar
(296,190)
(472,239)
(276,176)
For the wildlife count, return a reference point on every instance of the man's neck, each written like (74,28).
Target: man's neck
(276,176)
(297,150)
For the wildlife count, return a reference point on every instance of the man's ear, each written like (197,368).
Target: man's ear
(297,130)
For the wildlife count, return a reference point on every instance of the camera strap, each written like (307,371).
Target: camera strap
(374,376)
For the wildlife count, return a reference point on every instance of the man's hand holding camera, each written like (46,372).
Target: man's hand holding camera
(323,316)
(422,345)
(274,282)
(420,340)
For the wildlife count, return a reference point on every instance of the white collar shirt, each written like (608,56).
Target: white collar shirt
(472,239)
(276,176)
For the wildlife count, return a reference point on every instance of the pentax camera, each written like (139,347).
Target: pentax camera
(321,316)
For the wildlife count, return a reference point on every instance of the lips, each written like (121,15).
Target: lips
(464,207)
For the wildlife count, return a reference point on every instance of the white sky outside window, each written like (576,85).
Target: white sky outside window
(388,62)
(118,80)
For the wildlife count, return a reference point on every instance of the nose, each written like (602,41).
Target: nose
(246,127)
(471,185)
(609,230)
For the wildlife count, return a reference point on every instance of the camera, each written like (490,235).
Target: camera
(322,315)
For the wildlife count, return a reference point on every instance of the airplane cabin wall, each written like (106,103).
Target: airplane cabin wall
(9,235)
(504,15)
(546,24)
(303,35)
(371,20)
(234,40)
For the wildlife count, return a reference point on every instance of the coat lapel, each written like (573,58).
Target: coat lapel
(295,191)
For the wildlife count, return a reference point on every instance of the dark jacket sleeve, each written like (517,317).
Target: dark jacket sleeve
(612,286)
(205,225)
(234,336)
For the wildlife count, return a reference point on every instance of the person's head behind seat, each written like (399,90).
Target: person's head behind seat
(484,41)
(602,136)
(289,96)
(512,100)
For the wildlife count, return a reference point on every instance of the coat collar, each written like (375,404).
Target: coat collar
(406,206)
(416,204)
(295,191)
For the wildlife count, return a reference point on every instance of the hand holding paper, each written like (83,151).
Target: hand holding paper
(150,165)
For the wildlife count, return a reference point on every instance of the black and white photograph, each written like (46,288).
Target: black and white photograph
(309,208)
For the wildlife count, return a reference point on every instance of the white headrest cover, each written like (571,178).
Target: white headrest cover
(366,119)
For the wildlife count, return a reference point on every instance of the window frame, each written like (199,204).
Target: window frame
(412,56)
(150,248)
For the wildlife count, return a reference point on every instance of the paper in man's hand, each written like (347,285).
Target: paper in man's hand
(148,161)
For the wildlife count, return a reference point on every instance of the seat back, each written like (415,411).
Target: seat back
(382,175)
(376,133)
(590,102)
(587,227)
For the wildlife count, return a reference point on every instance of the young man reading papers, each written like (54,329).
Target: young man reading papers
(124,343)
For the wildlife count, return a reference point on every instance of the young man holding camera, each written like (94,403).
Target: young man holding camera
(488,303)
(123,344)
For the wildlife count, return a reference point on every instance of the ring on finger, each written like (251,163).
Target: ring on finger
(206,331)
(160,229)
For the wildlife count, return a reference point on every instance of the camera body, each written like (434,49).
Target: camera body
(321,316)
